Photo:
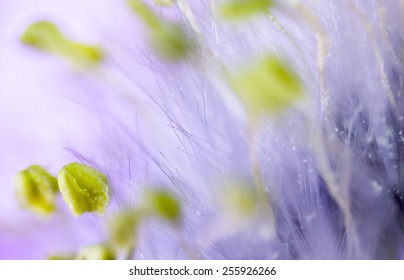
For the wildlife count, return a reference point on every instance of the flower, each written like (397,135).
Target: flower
(325,171)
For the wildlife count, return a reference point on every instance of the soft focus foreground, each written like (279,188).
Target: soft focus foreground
(201,129)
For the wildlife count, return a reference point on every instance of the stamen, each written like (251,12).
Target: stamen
(46,36)
(163,204)
(36,190)
(236,9)
(268,86)
(84,189)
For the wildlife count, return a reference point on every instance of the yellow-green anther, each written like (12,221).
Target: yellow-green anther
(61,257)
(268,86)
(145,13)
(170,41)
(47,37)
(96,252)
(36,190)
(44,36)
(239,201)
(82,54)
(167,3)
(163,204)
(84,189)
(241,9)
(123,229)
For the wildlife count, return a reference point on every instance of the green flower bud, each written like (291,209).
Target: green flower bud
(164,205)
(84,189)
(36,190)
(96,252)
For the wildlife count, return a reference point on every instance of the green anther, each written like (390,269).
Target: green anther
(166,3)
(145,13)
(61,257)
(83,54)
(46,36)
(170,41)
(241,9)
(268,86)
(36,190)
(163,204)
(239,201)
(123,229)
(96,252)
(84,189)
